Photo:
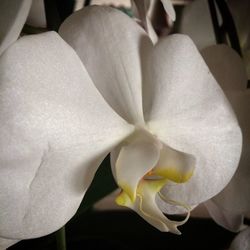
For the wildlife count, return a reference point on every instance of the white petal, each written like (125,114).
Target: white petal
(235,197)
(223,217)
(13,15)
(175,166)
(144,9)
(140,9)
(135,160)
(108,42)
(5,243)
(55,130)
(168,6)
(226,66)
(37,17)
(188,111)
(196,22)
(232,77)
(241,241)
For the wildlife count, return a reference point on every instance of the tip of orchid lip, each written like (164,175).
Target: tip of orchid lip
(175,231)
(124,199)
(130,193)
(120,200)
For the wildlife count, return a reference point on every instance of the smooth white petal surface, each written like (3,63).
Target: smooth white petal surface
(37,17)
(187,110)
(108,43)
(5,243)
(235,197)
(226,66)
(13,15)
(175,166)
(232,77)
(55,130)
(196,22)
(225,218)
(241,241)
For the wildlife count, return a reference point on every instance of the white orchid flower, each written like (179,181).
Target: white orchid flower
(229,206)
(173,137)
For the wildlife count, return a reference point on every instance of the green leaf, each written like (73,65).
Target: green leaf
(102,185)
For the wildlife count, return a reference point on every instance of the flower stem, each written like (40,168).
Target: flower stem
(229,24)
(215,21)
(61,239)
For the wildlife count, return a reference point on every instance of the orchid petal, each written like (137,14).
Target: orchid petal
(142,8)
(13,15)
(232,76)
(227,219)
(5,243)
(108,43)
(235,197)
(174,165)
(37,16)
(55,130)
(241,241)
(135,160)
(226,66)
(168,6)
(187,110)
(196,22)
(151,32)
(177,167)
(147,208)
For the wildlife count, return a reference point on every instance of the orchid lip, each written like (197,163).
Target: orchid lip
(143,167)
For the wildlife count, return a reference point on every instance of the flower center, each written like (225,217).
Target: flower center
(143,167)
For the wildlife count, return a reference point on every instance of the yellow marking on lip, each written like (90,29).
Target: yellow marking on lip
(129,191)
(173,174)
(123,199)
